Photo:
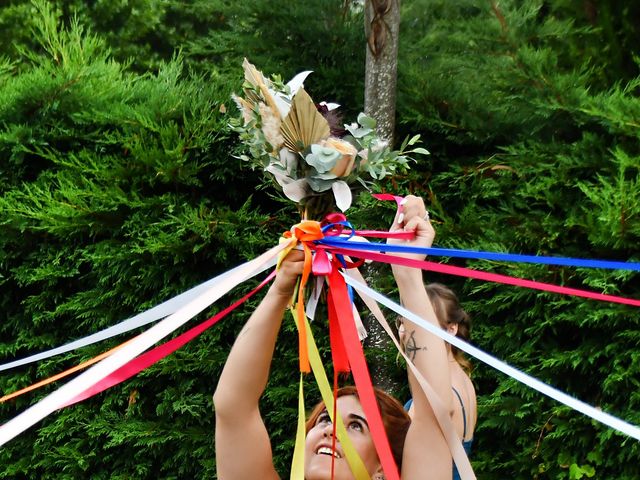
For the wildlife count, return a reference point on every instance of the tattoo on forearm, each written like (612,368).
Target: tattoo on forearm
(411,347)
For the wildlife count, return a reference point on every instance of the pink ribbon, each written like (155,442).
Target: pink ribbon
(481,275)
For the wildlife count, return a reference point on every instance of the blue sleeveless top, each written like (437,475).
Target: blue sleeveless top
(466,444)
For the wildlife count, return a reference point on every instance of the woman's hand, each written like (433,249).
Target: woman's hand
(413,217)
(288,273)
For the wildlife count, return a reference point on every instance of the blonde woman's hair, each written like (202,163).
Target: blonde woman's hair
(449,312)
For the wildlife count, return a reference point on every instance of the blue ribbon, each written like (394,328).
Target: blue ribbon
(341,242)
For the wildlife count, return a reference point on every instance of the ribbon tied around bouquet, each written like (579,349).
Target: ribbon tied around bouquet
(306,234)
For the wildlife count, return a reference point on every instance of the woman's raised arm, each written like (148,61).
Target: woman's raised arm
(426,454)
(243,449)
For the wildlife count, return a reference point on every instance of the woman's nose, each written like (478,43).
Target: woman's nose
(327,429)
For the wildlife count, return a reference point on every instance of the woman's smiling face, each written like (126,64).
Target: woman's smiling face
(318,446)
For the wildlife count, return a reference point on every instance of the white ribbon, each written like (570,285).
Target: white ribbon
(70,390)
(602,417)
(143,318)
(440,411)
(314,298)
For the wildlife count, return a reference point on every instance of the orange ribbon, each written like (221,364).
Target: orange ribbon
(303,233)
(60,375)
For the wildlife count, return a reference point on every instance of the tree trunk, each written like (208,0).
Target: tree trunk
(382,25)
(377,342)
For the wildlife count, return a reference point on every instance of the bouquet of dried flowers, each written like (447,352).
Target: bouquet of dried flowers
(299,144)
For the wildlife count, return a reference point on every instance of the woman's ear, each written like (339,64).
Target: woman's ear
(378,474)
(452,328)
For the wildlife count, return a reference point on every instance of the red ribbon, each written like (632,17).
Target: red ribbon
(342,304)
(338,227)
(388,196)
(338,352)
(152,356)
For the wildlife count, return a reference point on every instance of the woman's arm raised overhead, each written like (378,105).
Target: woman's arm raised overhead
(426,454)
(243,449)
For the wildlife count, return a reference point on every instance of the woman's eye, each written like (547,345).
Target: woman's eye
(324,418)
(356,426)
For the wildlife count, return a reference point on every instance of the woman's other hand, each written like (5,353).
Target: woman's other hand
(412,216)
(288,273)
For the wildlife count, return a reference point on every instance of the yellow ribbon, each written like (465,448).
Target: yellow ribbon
(353,459)
(297,464)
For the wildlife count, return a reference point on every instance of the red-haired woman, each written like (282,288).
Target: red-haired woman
(243,449)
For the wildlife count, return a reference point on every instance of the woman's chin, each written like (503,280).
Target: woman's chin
(319,468)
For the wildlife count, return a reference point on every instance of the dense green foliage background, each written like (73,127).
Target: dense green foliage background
(119,189)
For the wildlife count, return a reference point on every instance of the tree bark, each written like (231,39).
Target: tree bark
(378,343)
(382,26)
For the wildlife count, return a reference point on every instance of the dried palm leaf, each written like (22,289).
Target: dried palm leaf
(304,125)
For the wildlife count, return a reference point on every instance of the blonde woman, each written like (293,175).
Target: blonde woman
(454,320)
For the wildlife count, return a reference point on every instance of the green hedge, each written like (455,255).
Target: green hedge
(120,188)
